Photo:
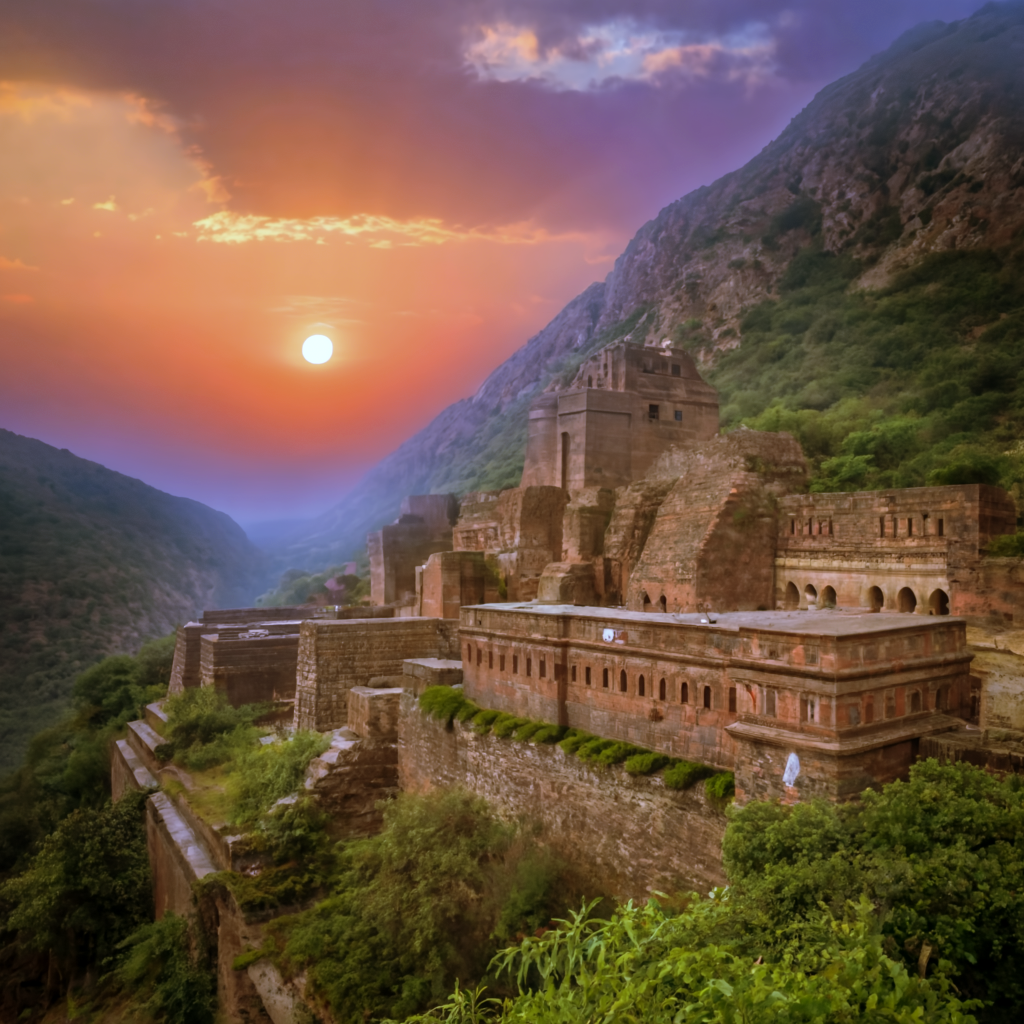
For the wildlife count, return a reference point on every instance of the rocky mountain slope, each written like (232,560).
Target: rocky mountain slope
(918,153)
(93,563)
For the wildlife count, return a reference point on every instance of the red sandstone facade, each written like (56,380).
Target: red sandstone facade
(627,405)
(849,695)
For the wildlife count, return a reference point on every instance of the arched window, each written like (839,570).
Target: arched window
(707,697)
(622,681)
(938,603)
(811,594)
(640,686)
(604,678)
(906,601)
(876,599)
(684,692)
(663,604)
(828,598)
(792,598)
(646,602)
(662,689)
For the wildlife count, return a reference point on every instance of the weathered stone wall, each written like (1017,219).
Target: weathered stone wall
(334,656)
(255,616)
(713,539)
(628,837)
(451,579)
(627,405)
(521,527)
(991,588)
(636,508)
(250,671)
(396,551)
(919,548)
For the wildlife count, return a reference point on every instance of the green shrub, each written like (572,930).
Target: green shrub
(483,720)
(721,786)
(1010,546)
(646,763)
(574,739)
(201,714)
(528,731)
(616,753)
(265,774)
(443,702)
(549,734)
(467,711)
(166,969)
(505,725)
(685,774)
(590,750)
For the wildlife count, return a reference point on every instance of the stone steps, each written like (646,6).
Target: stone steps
(156,717)
(144,740)
(128,771)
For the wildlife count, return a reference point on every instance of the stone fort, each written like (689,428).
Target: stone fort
(650,581)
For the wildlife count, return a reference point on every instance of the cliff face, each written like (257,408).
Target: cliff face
(918,152)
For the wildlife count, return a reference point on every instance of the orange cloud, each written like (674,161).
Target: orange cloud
(6,264)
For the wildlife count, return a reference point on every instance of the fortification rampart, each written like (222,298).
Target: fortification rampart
(625,836)
(250,670)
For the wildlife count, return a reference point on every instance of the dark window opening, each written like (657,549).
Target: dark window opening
(574,673)
(586,675)
(640,686)
(469,653)
(684,693)
(604,678)
(679,415)
(910,527)
(590,382)
(490,659)
(662,688)
(810,527)
(869,712)
(915,701)
(792,526)
(479,655)
(652,412)
(940,530)
(881,526)
(622,681)
(830,532)
(769,702)
(501,662)
(895,527)
(515,664)
(543,673)
(677,370)
(732,699)
(529,666)
(646,602)
(663,603)
(707,697)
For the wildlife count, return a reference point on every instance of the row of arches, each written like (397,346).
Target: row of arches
(703,696)
(905,601)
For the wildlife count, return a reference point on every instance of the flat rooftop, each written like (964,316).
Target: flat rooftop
(831,622)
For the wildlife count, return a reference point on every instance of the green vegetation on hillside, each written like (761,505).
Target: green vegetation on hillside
(915,384)
(93,562)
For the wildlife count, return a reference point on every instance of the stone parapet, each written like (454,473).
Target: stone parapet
(127,771)
(421,673)
(176,855)
(373,713)
(250,669)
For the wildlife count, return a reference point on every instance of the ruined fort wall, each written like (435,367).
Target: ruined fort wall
(922,541)
(628,836)
(712,542)
(334,656)
(250,671)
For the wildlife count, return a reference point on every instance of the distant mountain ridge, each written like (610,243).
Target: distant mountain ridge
(93,563)
(919,152)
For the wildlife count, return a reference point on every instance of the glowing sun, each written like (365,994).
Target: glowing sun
(317,348)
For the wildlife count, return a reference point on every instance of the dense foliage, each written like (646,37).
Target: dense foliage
(68,766)
(915,384)
(93,562)
(423,903)
(905,907)
(297,587)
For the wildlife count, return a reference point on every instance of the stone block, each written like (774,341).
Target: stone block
(421,673)
(373,714)
(565,583)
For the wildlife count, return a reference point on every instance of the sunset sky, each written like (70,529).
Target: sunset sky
(189,188)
